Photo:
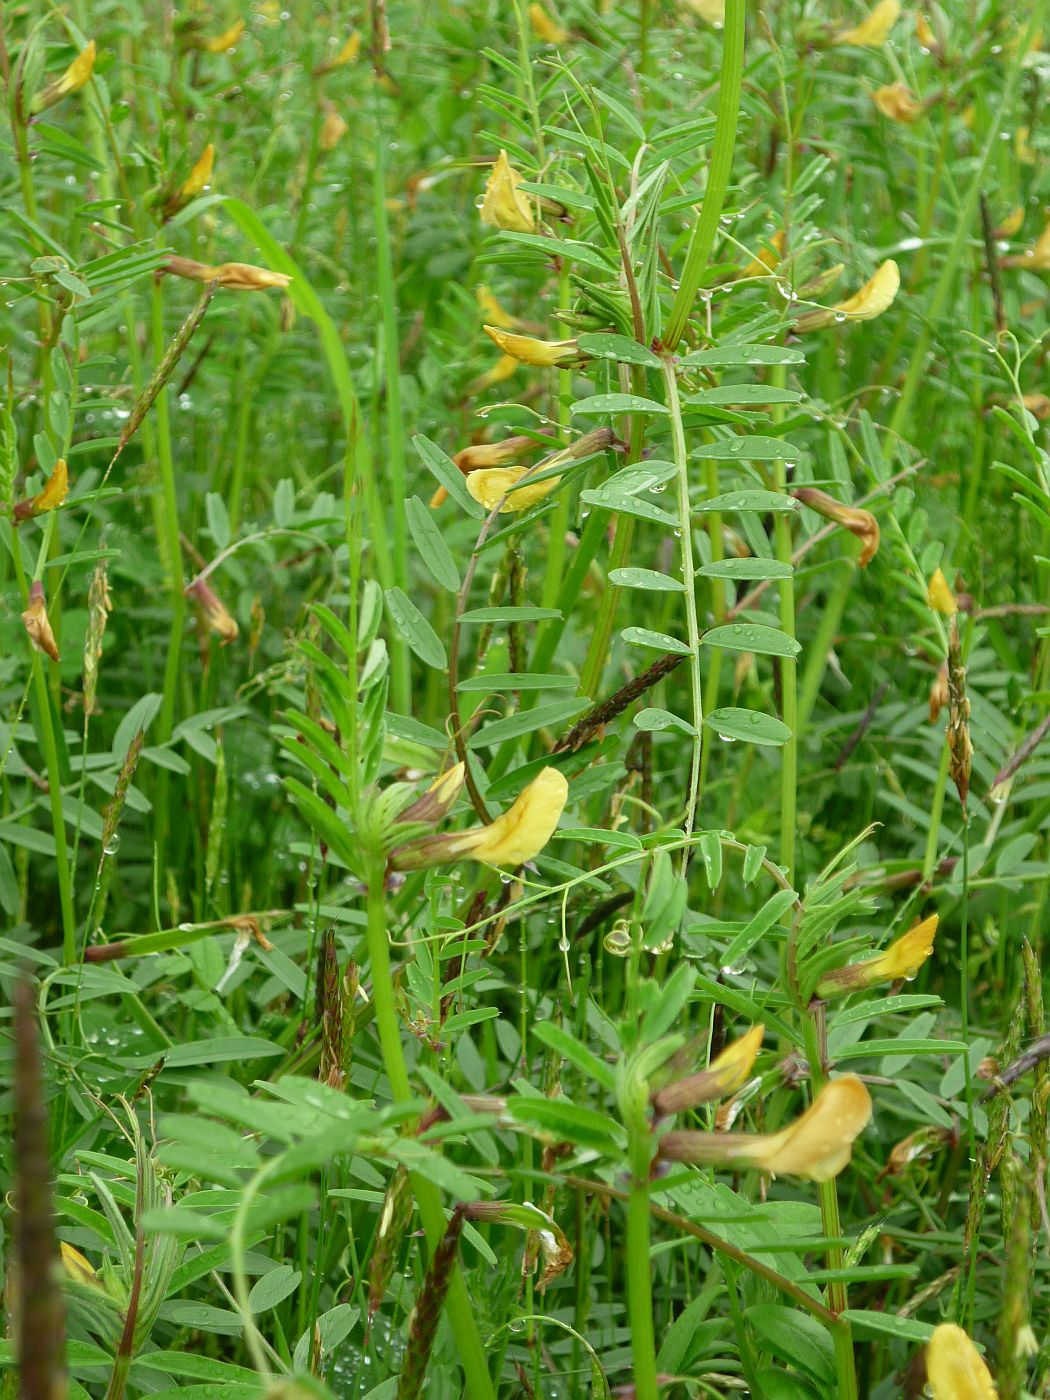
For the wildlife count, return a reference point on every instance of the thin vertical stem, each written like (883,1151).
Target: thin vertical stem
(685,525)
(639,1268)
(788,666)
(428,1199)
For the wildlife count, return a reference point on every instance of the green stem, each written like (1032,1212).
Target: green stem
(788,665)
(685,525)
(718,175)
(639,1269)
(428,1199)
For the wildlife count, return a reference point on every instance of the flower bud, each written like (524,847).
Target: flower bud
(859,522)
(940,596)
(439,798)
(239,277)
(896,101)
(213,611)
(35,621)
(547,30)
(199,177)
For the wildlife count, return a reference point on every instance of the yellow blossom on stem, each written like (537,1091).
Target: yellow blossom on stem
(872,300)
(77,1267)
(546,29)
(222,43)
(504,206)
(902,959)
(955,1368)
(859,522)
(898,102)
(815,1147)
(333,129)
(529,350)
(72,80)
(346,55)
(54,492)
(199,177)
(711,11)
(1012,224)
(239,277)
(490,485)
(512,839)
(768,258)
(504,367)
(35,621)
(725,1075)
(874,29)
(940,596)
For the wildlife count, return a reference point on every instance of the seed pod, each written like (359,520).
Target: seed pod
(393,1219)
(960,747)
(427,1313)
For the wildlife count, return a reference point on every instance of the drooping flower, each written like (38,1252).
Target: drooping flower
(725,1075)
(940,596)
(219,620)
(504,206)
(239,277)
(955,1368)
(54,492)
(859,522)
(512,839)
(902,959)
(546,29)
(485,454)
(872,300)
(816,1147)
(36,623)
(528,350)
(346,54)
(72,80)
(874,29)
(924,33)
(898,102)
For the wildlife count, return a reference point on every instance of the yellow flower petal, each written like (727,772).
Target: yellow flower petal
(225,41)
(531,351)
(504,367)
(76,76)
(545,28)
(1012,224)
(902,959)
(725,1074)
(199,177)
(815,1147)
(494,312)
(524,828)
(940,596)
(955,1368)
(489,485)
(897,102)
(874,29)
(872,300)
(503,206)
(1037,258)
(767,258)
(333,129)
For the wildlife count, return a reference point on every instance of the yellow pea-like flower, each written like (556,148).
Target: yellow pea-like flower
(490,485)
(768,258)
(546,29)
(902,959)
(874,28)
(875,297)
(725,1075)
(940,596)
(54,492)
(35,621)
(239,277)
(955,1368)
(225,41)
(529,350)
(76,76)
(710,11)
(199,177)
(494,313)
(816,1147)
(504,206)
(857,521)
(898,102)
(1036,258)
(512,839)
